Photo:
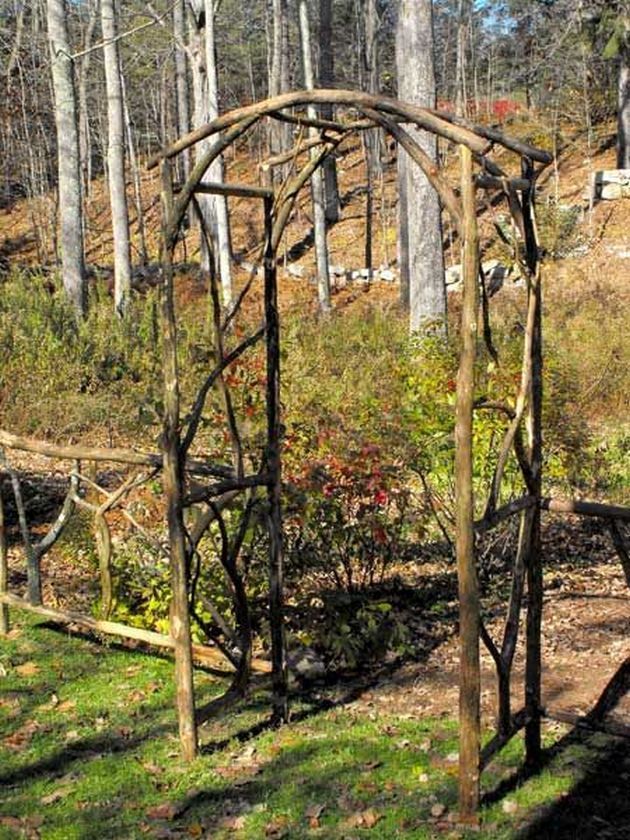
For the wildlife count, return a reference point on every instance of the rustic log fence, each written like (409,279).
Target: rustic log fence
(225,482)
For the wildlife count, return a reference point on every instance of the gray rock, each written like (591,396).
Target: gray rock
(337,270)
(296,270)
(305,664)
(611,184)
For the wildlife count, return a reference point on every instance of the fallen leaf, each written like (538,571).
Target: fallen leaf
(370,818)
(509,806)
(233,823)
(372,765)
(28,669)
(277,828)
(165,811)
(136,696)
(66,705)
(438,809)
(11,822)
(364,819)
(312,814)
(21,737)
(195,829)
(55,796)
(153,769)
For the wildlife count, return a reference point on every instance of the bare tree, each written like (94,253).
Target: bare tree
(420,230)
(116,158)
(69,165)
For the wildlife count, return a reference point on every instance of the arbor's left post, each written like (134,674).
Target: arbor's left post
(173,477)
(274,487)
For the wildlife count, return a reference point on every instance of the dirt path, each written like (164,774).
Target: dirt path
(586,637)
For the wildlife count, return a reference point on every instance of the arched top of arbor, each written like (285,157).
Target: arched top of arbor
(365,111)
(374,109)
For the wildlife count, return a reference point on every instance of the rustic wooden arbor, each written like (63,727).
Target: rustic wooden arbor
(324,136)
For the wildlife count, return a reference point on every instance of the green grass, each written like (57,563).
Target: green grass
(88,749)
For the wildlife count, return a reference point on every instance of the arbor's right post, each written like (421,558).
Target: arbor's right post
(533,666)
(469,609)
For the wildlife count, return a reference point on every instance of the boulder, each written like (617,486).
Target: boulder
(611,184)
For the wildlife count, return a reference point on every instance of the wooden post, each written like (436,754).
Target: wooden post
(4,569)
(469,609)
(533,666)
(274,488)
(173,476)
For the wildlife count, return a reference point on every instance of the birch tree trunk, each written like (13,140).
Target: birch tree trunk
(317,179)
(69,164)
(206,108)
(623,113)
(116,159)
(181,83)
(85,144)
(420,230)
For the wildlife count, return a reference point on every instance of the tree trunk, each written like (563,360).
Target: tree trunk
(461,81)
(181,84)
(280,133)
(372,140)
(69,166)
(317,179)
(623,114)
(326,80)
(420,230)
(116,159)
(85,144)
(206,108)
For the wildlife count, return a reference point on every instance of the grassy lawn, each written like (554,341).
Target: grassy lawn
(88,749)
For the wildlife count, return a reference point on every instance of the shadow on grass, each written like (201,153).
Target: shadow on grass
(596,807)
(105,743)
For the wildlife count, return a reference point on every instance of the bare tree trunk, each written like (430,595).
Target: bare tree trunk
(317,179)
(326,80)
(181,84)
(623,114)
(69,165)
(116,159)
(85,144)
(137,183)
(372,140)
(280,136)
(461,81)
(206,108)
(420,230)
